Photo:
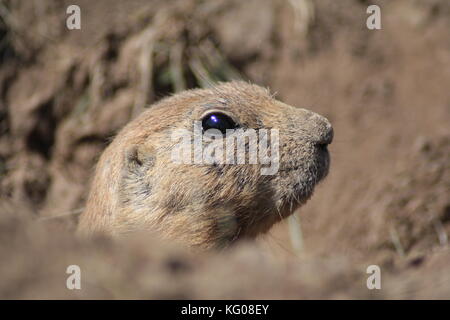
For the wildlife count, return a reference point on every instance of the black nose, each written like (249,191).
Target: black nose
(323,131)
(327,137)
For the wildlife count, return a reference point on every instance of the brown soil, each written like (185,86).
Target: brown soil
(64,94)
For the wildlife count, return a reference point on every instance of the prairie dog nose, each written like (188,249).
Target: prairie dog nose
(325,131)
(312,126)
(319,128)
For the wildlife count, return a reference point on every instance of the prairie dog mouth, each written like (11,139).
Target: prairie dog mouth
(300,179)
(318,166)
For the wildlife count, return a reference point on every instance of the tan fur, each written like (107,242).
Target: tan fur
(138,187)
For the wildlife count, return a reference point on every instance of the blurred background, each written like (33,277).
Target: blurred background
(65,93)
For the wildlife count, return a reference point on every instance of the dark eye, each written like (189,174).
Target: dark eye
(218,121)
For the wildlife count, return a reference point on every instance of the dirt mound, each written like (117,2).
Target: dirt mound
(417,205)
(39,254)
(64,94)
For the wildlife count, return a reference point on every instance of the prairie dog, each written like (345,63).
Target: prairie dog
(138,185)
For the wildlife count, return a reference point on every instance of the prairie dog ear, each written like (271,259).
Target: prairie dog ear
(140,156)
(136,181)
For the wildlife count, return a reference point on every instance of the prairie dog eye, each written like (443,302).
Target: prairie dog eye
(219,121)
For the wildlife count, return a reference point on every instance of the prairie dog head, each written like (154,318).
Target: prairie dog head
(209,166)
